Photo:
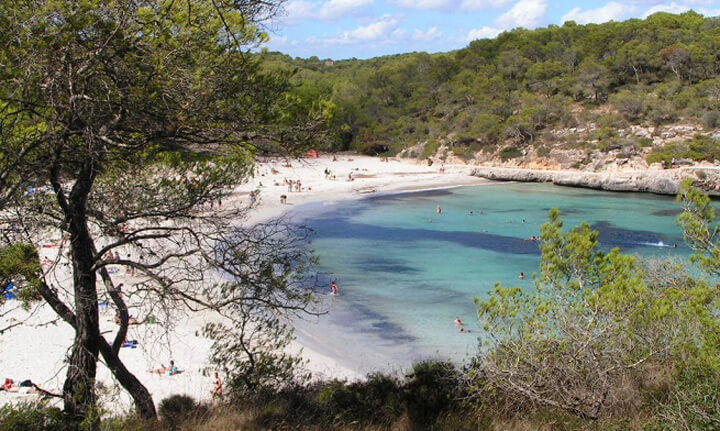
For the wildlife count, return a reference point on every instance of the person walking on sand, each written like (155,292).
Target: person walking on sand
(217,392)
(333,288)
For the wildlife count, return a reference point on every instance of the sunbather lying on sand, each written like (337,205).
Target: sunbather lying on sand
(25,387)
(168,371)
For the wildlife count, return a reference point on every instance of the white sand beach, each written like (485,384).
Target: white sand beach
(37,348)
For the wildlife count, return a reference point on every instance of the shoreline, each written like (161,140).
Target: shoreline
(662,182)
(388,178)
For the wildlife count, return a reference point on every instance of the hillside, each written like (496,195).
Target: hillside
(590,97)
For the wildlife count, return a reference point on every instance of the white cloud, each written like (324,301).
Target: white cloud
(612,11)
(425,4)
(299,9)
(374,31)
(672,8)
(525,13)
(482,4)
(326,9)
(482,33)
(430,34)
(335,8)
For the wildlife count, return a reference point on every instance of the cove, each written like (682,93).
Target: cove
(405,272)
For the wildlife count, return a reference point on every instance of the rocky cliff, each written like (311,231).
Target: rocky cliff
(666,182)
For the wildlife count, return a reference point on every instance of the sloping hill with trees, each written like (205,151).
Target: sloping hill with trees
(566,96)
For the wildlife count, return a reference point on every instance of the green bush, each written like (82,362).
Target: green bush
(631,106)
(33,417)
(178,409)
(711,119)
(431,389)
(510,153)
(700,148)
(430,149)
(377,400)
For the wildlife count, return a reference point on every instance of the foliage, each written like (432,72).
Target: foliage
(522,82)
(700,148)
(376,400)
(33,417)
(431,389)
(711,119)
(179,409)
(20,265)
(510,153)
(128,119)
(699,227)
(575,340)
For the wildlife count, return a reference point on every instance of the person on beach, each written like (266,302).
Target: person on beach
(283,199)
(438,209)
(217,392)
(168,371)
(333,288)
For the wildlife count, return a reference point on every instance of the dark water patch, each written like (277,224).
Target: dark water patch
(345,229)
(564,211)
(670,212)
(416,194)
(610,235)
(367,321)
(513,210)
(381,264)
(389,331)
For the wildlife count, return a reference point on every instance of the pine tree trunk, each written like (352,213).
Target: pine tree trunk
(78,390)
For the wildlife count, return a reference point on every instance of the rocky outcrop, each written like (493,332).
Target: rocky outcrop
(665,182)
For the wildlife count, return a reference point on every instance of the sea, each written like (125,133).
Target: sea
(405,271)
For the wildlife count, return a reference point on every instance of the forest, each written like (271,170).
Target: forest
(514,89)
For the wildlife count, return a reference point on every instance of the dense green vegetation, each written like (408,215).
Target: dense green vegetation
(515,88)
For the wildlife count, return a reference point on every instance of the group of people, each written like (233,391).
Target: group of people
(460,325)
(293,185)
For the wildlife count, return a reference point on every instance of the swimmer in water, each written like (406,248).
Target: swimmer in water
(521,276)
(438,209)
(458,322)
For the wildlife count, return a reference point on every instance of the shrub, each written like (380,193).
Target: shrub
(431,388)
(510,153)
(430,148)
(33,417)
(178,409)
(629,105)
(543,152)
(378,400)
(711,119)
(697,149)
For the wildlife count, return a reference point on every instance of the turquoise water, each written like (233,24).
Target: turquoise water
(405,272)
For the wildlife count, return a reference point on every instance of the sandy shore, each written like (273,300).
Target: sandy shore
(36,349)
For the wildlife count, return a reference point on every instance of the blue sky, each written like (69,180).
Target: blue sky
(341,29)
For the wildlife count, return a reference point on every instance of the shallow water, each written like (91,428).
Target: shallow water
(405,272)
